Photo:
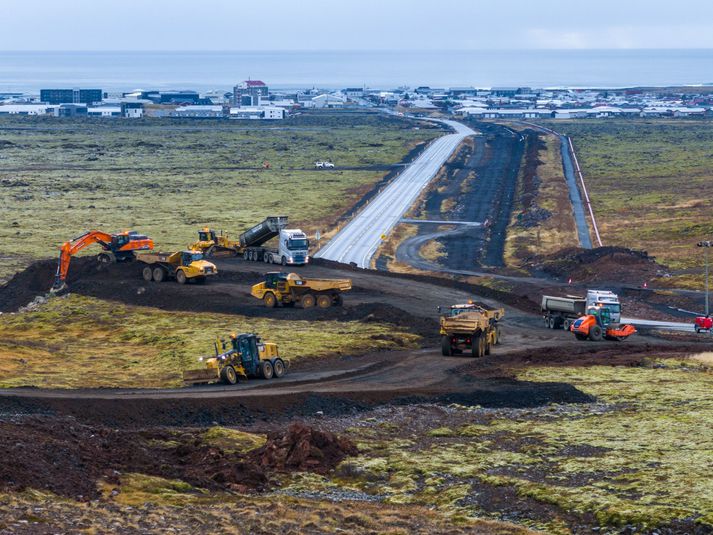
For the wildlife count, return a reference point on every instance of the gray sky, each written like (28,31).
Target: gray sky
(354,25)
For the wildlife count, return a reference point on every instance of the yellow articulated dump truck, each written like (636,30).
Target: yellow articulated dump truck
(183,266)
(469,329)
(289,289)
(243,356)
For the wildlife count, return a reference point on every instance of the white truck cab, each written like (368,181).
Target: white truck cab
(605,298)
(293,249)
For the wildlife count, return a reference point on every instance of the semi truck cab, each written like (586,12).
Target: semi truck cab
(294,247)
(605,299)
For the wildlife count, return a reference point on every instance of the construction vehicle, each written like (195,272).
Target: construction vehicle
(210,242)
(243,356)
(183,266)
(119,247)
(293,245)
(562,312)
(703,324)
(289,289)
(597,324)
(470,328)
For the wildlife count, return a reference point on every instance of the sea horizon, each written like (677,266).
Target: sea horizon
(218,70)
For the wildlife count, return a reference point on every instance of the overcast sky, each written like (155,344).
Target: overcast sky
(352,25)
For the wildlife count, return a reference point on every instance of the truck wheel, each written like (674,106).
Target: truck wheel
(547,322)
(284,260)
(270,300)
(278,367)
(229,376)
(324,301)
(446,347)
(266,369)
(307,301)
(265,258)
(478,349)
(147,273)
(181,277)
(595,333)
(551,322)
(566,324)
(159,274)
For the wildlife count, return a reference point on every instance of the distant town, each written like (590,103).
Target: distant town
(253,100)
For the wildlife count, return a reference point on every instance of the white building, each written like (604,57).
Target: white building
(273,112)
(327,101)
(26,109)
(199,112)
(257,113)
(104,111)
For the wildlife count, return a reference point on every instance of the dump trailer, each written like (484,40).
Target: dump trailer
(597,324)
(289,289)
(470,329)
(253,239)
(183,266)
(243,356)
(561,312)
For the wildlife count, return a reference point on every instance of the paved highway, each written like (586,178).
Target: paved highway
(358,240)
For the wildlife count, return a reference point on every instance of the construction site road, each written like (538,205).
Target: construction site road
(359,239)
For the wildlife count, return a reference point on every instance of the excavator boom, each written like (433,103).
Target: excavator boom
(112,243)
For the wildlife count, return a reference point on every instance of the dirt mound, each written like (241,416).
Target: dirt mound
(38,278)
(68,458)
(602,265)
(303,448)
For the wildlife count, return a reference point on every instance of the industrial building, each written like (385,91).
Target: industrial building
(71,96)
(249,93)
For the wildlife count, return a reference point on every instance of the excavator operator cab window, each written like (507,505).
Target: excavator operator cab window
(120,240)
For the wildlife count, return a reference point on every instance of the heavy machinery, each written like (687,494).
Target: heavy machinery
(289,289)
(292,247)
(118,247)
(183,266)
(244,355)
(597,324)
(470,328)
(562,312)
(210,242)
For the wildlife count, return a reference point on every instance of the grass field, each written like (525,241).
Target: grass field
(75,341)
(650,183)
(59,177)
(637,456)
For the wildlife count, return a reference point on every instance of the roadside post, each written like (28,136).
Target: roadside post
(706,245)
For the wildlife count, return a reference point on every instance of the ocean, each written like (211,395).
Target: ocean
(219,71)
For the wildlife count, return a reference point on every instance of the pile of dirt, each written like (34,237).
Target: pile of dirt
(601,265)
(303,448)
(69,458)
(38,278)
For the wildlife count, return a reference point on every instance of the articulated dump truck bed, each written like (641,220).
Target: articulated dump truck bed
(470,321)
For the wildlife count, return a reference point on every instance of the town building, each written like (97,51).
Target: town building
(26,109)
(104,111)
(200,112)
(71,96)
(354,92)
(249,93)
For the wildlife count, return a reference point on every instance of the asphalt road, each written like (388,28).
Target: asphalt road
(359,239)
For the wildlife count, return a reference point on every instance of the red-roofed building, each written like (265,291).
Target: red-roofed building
(249,93)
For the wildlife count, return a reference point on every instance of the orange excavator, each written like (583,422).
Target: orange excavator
(597,324)
(118,247)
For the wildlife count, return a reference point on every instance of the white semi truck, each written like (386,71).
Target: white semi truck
(292,248)
(561,312)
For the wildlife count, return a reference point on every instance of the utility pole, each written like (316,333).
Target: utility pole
(706,245)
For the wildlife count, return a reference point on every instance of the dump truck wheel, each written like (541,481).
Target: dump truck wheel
(551,322)
(159,274)
(278,367)
(147,274)
(324,301)
(595,333)
(229,376)
(266,369)
(446,347)
(270,300)
(566,325)
(181,277)
(307,301)
(478,350)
